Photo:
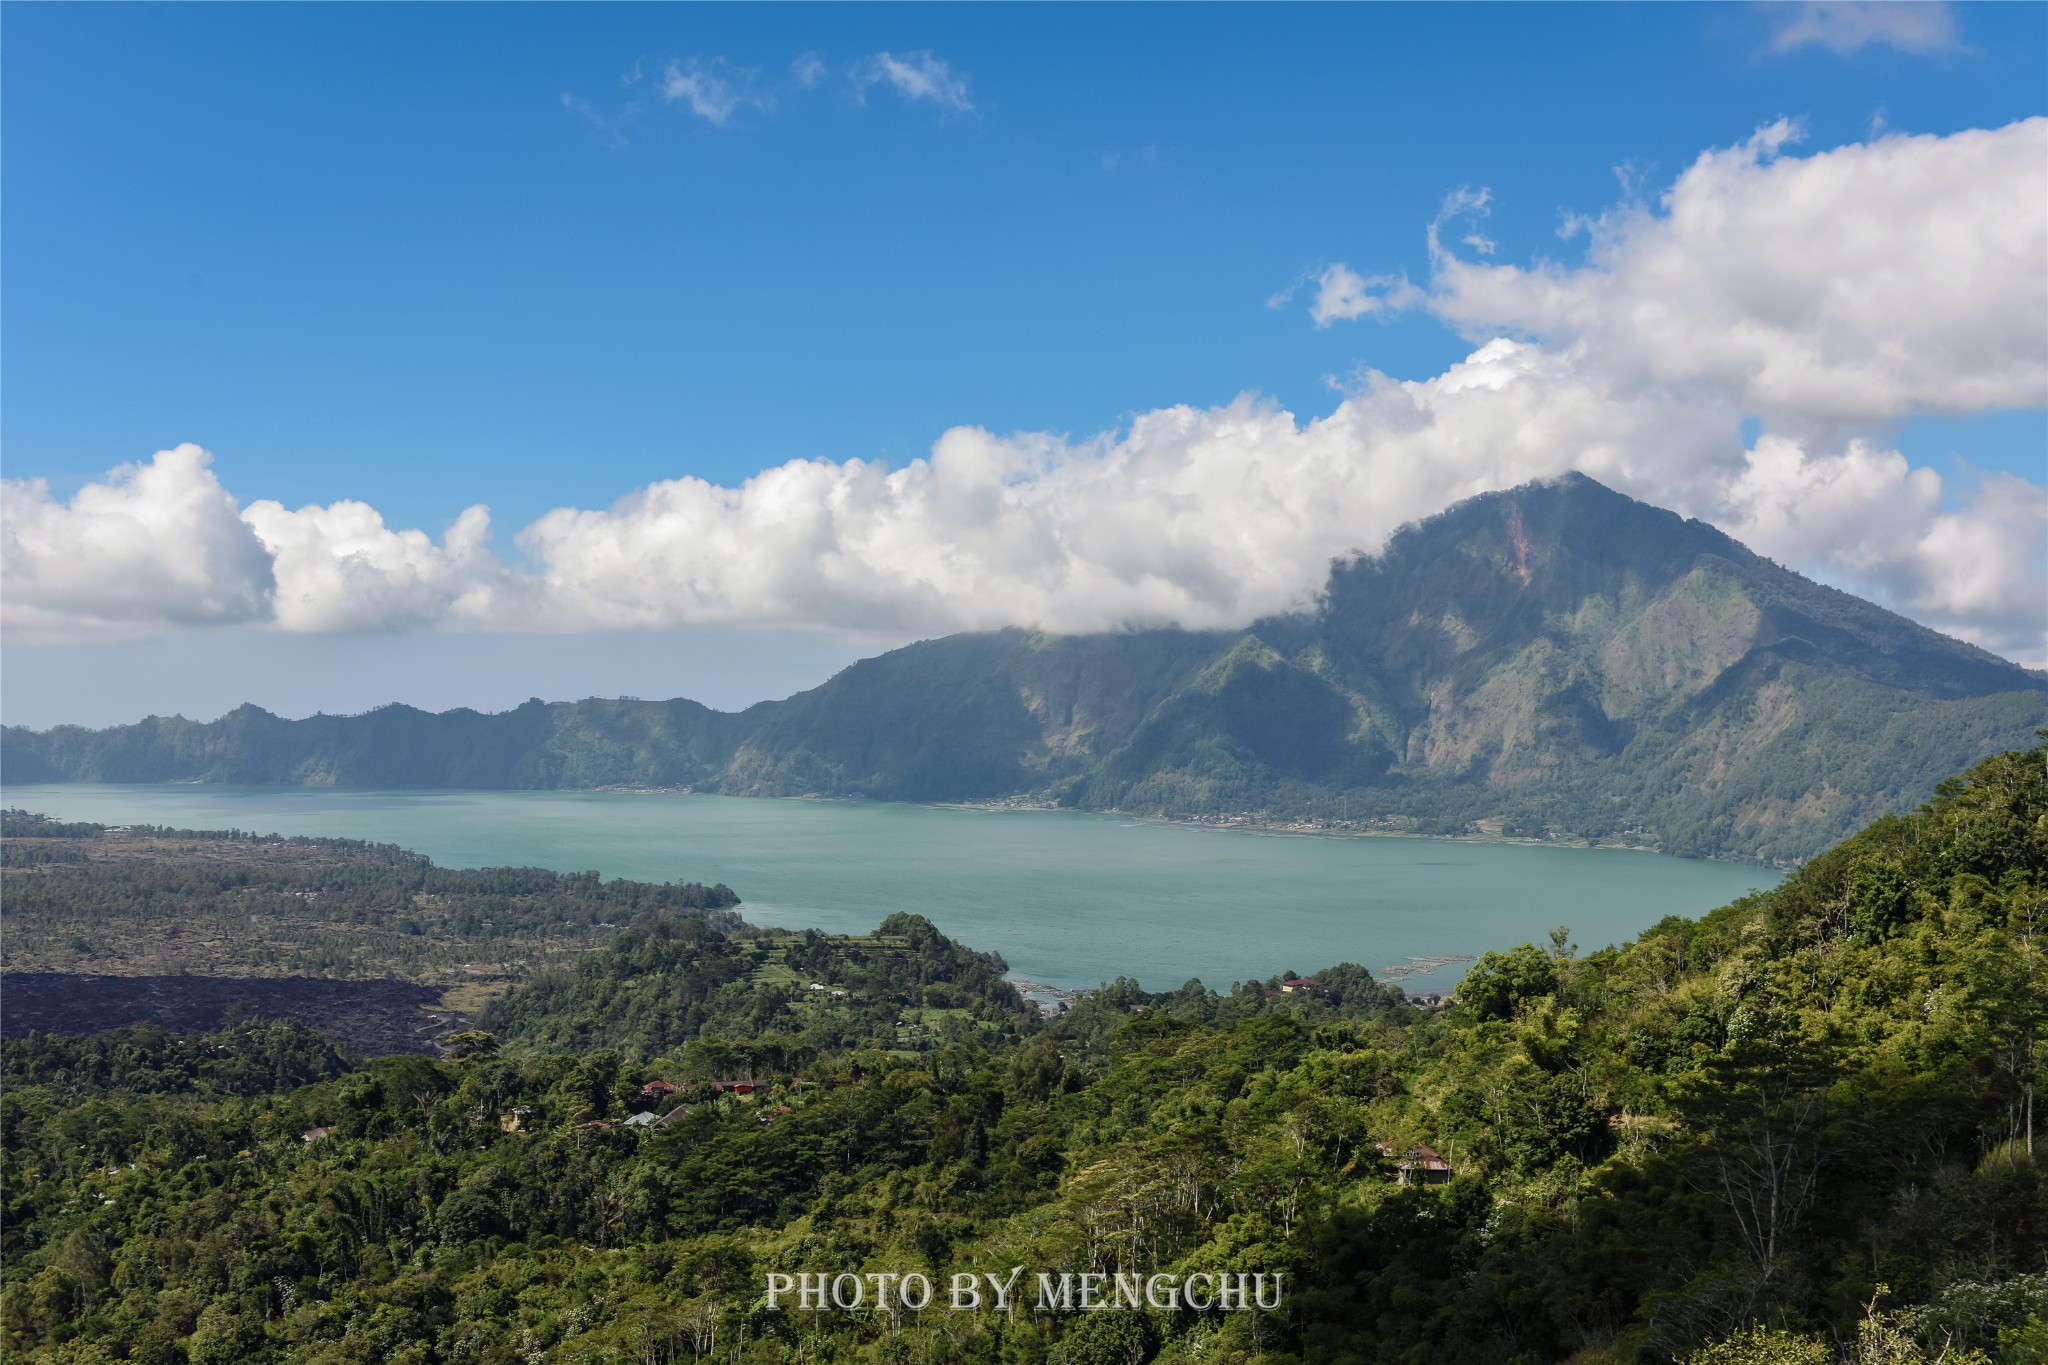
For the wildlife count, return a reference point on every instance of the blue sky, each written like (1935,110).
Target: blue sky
(430,256)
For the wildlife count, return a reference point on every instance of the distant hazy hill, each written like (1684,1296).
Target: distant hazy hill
(1556,659)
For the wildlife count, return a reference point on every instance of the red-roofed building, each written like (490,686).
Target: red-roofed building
(1418,1166)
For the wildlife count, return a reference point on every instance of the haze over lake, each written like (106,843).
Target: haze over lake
(1070,899)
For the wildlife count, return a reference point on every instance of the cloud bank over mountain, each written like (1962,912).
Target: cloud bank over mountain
(1822,297)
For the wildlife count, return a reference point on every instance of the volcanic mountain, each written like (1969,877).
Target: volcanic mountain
(1557,661)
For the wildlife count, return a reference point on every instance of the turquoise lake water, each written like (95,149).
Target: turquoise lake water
(1070,899)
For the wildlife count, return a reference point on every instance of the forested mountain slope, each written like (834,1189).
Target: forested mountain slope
(1794,1132)
(1556,660)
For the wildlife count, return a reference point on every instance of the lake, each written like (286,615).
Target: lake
(1070,899)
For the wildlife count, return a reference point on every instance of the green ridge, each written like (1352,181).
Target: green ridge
(1557,660)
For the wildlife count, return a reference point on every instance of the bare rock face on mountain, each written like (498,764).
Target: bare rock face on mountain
(1556,660)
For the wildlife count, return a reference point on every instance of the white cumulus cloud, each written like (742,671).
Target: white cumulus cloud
(339,568)
(163,544)
(1906,274)
(1868,520)
(1823,296)
(154,545)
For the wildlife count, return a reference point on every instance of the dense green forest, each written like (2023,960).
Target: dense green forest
(1798,1130)
(809,992)
(1555,661)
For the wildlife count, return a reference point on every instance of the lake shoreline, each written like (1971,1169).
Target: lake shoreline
(1307,829)
(1069,898)
(1220,824)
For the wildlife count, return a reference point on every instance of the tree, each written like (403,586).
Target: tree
(1499,982)
(472,1045)
(1107,1339)
(1762,1116)
(226,1335)
(1764,1346)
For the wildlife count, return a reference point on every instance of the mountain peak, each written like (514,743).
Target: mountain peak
(1538,558)
(1558,658)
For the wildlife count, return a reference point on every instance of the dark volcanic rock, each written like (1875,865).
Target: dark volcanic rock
(371,1018)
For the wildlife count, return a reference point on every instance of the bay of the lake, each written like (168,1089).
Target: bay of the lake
(1070,899)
